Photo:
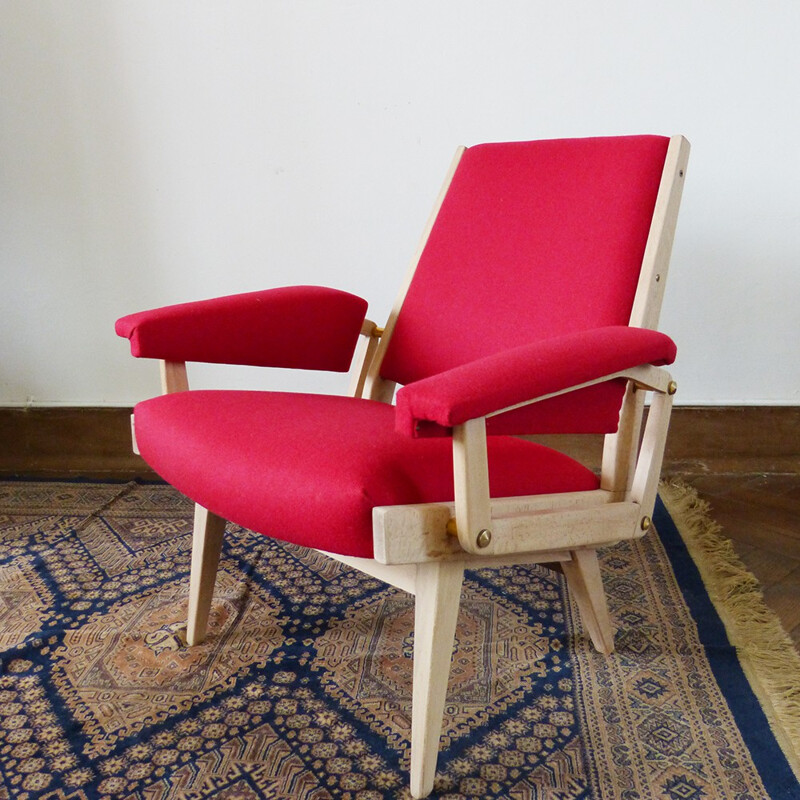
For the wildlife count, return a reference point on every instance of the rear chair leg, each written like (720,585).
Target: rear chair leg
(586,586)
(206,548)
(438,593)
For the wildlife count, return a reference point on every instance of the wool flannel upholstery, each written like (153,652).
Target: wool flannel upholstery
(536,251)
(513,376)
(310,468)
(534,240)
(300,327)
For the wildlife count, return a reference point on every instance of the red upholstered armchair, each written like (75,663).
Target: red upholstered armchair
(530,308)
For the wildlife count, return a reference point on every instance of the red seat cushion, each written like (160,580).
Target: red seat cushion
(309,469)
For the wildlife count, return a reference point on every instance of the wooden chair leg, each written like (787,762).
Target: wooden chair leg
(586,586)
(206,548)
(438,593)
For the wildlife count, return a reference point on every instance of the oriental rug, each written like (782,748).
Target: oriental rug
(302,688)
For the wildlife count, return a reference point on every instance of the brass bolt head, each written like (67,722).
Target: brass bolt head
(645,523)
(484,538)
(672,387)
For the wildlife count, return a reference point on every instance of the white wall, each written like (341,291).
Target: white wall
(153,152)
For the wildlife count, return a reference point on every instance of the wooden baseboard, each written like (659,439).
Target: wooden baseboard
(96,443)
(69,442)
(731,439)
(713,440)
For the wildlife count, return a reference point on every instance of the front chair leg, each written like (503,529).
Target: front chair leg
(438,593)
(206,548)
(586,586)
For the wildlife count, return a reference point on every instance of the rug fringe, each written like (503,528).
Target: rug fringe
(767,654)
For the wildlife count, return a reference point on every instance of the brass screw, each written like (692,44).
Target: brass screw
(672,387)
(645,523)
(484,538)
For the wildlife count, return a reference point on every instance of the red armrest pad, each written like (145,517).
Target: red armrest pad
(526,372)
(304,327)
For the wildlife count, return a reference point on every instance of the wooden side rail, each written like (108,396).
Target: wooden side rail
(428,531)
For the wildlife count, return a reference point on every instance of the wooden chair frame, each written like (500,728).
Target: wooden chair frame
(424,549)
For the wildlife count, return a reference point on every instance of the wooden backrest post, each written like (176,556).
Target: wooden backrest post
(173,377)
(620,448)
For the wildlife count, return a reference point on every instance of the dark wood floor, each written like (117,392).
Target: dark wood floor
(761,514)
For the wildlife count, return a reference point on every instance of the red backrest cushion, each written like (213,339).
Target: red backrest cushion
(533,240)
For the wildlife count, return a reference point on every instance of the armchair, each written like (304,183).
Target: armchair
(530,307)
